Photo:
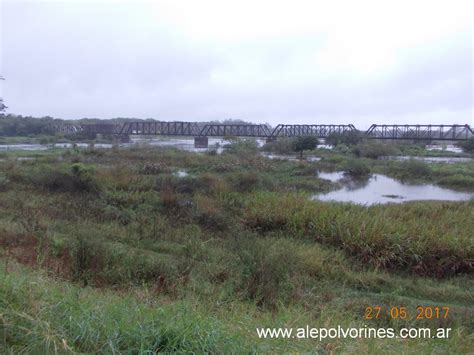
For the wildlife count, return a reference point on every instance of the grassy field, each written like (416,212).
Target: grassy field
(142,250)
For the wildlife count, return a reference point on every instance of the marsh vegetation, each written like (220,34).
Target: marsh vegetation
(156,249)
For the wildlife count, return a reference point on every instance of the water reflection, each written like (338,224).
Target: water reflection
(349,182)
(352,184)
(382,189)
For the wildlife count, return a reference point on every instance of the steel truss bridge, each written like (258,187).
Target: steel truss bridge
(316,130)
(420,132)
(192,129)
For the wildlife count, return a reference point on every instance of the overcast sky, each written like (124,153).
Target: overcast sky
(292,61)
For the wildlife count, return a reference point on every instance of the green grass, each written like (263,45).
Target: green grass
(109,251)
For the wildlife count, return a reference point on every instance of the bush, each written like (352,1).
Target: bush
(211,214)
(458,180)
(350,138)
(78,178)
(212,183)
(186,185)
(342,148)
(467,146)
(169,199)
(415,168)
(83,178)
(86,256)
(356,168)
(150,168)
(267,267)
(245,181)
(283,145)
(305,143)
(241,147)
(373,149)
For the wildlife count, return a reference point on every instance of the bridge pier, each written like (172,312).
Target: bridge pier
(270,139)
(201,142)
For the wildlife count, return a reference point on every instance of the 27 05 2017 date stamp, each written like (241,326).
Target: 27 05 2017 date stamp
(402,312)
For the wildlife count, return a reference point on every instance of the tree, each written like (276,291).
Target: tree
(2,105)
(348,138)
(467,146)
(305,143)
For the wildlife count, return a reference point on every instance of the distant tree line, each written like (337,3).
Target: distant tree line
(17,125)
(14,125)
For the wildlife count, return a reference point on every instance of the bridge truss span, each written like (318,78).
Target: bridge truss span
(160,128)
(420,132)
(65,128)
(235,130)
(101,128)
(320,131)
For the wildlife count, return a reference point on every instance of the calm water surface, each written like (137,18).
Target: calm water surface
(449,160)
(180,143)
(290,157)
(382,189)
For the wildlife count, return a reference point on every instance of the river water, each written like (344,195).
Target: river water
(379,189)
(448,160)
(180,143)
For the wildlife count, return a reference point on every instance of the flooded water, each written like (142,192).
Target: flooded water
(181,173)
(4,147)
(335,176)
(447,148)
(290,157)
(33,147)
(449,160)
(216,144)
(180,143)
(83,145)
(379,189)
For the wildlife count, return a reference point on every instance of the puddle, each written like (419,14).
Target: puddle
(382,189)
(180,173)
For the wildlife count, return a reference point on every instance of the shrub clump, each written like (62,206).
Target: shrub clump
(241,147)
(349,138)
(356,168)
(267,268)
(467,146)
(283,145)
(414,168)
(78,178)
(150,168)
(245,181)
(305,143)
(210,214)
(458,180)
(374,150)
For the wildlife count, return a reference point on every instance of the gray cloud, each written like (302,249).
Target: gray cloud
(75,60)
